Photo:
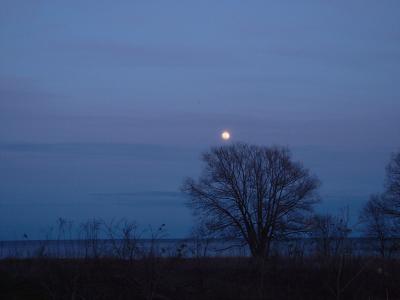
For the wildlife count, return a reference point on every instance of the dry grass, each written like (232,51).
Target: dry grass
(201,278)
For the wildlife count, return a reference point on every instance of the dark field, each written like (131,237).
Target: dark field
(200,278)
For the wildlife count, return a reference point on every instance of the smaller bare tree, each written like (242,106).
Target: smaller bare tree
(201,238)
(378,225)
(90,231)
(330,233)
(124,238)
(392,183)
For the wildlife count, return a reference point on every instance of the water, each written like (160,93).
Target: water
(118,248)
(131,249)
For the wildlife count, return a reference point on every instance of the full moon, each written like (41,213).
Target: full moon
(226,135)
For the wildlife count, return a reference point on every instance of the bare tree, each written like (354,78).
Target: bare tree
(201,238)
(324,232)
(392,195)
(378,225)
(253,193)
(124,238)
(330,233)
(90,230)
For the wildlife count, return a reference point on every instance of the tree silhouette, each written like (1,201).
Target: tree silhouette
(378,225)
(392,194)
(254,193)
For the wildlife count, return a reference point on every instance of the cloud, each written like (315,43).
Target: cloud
(125,54)
(351,58)
(138,152)
(168,194)
(23,97)
(142,198)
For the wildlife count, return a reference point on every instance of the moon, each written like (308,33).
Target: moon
(225,135)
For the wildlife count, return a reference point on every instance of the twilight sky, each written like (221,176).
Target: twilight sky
(105,106)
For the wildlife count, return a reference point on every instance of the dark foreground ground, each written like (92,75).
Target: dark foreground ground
(200,278)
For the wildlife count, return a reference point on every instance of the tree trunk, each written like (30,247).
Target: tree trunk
(260,250)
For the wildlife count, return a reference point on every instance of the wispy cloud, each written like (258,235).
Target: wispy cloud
(133,151)
(145,55)
(143,198)
(23,99)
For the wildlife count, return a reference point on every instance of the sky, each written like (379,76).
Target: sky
(106,106)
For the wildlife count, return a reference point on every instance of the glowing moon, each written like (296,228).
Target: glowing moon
(226,135)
